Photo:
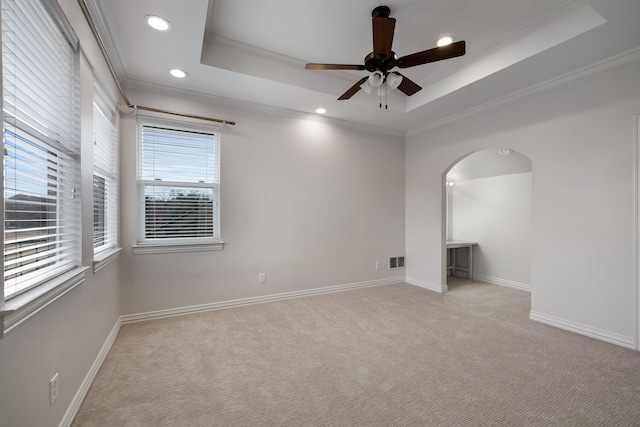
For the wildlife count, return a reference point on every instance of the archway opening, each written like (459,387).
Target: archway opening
(488,219)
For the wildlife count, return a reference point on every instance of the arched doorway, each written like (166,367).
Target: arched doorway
(488,219)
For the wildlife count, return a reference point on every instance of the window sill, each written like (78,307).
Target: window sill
(102,259)
(143,249)
(21,308)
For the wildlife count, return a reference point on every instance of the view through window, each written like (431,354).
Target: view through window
(178,184)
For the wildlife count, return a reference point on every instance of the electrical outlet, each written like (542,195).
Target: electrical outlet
(262,277)
(54,388)
(463,230)
(377,265)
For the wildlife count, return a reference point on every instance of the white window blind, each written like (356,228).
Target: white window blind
(40,133)
(179,184)
(105,186)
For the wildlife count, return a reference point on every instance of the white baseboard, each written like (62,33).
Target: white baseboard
(130,318)
(581,329)
(72,410)
(427,285)
(503,282)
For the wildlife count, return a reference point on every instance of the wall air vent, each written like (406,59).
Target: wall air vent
(396,262)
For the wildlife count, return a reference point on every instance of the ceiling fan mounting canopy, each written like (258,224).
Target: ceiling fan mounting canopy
(383,59)
(381,12)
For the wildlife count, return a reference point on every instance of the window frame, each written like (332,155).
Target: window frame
(105,168)
(181,244)
(17,308)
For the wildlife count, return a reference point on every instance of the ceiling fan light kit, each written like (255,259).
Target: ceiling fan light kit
(394,80)
(382,83)
(382,60)
(376,78)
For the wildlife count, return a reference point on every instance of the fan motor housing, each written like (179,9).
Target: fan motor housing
(377,63)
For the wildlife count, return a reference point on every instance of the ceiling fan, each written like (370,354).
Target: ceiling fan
(382,60)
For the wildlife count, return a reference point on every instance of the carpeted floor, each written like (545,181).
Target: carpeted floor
(392,355)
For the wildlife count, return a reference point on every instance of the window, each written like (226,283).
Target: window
(105,185)
(41,145)
(99,212)
(178,185)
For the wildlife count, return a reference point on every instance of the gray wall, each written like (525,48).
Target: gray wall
(495,212)
(310,203)
(67,336)
(580,138)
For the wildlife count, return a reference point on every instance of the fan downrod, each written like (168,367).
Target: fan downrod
(381,12)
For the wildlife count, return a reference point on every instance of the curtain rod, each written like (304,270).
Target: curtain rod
(105,54)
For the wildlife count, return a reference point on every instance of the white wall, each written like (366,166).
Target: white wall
(66,337)
(495,212)
(310,203)
(487,163)
(580,138)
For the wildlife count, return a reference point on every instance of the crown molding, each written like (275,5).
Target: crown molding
(606,64)
(147,86)
(100,23)
(254,51)
(470,58)
(609,63)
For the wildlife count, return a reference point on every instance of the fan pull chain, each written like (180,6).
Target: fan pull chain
(386,94)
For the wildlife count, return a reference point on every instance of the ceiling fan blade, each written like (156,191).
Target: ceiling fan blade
(407,86)
(333,67)
(432,55)
(383,29)
(353,89)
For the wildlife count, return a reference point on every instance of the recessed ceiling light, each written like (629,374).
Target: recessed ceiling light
(444,41)
(321,110)
(175,72)
(157,22)
(505,151)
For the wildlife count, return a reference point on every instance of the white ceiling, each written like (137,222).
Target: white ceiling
(255,50)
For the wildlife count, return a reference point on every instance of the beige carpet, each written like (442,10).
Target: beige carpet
(384,356)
